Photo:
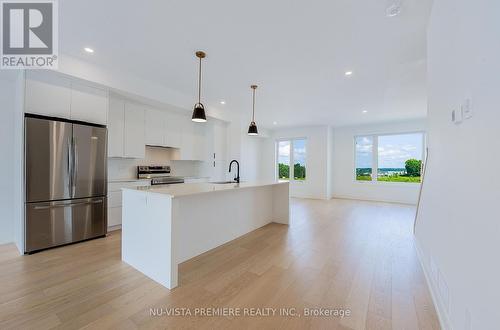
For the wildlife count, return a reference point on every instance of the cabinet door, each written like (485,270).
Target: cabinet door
(115,127)
(134,132)
(220,171)
(89,104)
(201,142)
(114,216)
(187,142)
(48,94)
(155,127)
(173,129)
(220,141)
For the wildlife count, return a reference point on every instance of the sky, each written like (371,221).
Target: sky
(393,150)
(299,148)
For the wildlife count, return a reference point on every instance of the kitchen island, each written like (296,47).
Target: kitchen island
(163,226)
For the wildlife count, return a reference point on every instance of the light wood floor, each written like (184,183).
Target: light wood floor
(335,254)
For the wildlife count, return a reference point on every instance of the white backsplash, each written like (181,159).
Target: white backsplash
(125,168)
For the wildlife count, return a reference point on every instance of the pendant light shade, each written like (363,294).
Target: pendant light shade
(252,129)
(199,113)
(199,110)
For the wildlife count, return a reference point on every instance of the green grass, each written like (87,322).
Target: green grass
(392,178)
(398,178)
(363,178)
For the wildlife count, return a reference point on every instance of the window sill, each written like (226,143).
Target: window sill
(293,181)
(388,183)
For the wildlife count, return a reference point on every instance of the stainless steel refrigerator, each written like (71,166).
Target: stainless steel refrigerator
(66,182)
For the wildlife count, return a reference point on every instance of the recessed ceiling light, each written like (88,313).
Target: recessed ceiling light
(365,111)
(275,123)
(348,73)
(223,102)
(88,50)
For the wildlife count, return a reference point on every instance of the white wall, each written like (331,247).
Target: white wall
(11,149)
(317,149)
(458,228)
(343,164)
(7,104)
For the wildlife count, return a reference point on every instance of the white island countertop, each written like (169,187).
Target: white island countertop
(187,189)
(180,221)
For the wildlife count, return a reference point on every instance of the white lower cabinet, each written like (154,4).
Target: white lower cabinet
(115,200)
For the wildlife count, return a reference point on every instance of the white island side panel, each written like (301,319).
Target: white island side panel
(147,235)
(206,221)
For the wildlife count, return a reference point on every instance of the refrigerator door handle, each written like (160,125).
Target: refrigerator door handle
(54,206)
(70,165)
(74,168)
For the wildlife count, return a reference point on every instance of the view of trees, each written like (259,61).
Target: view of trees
(411,173)
(413,167)
(299,171)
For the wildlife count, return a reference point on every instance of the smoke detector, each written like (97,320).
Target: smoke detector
(393,8)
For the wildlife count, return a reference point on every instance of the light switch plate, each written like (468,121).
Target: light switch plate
(467,109)
(457,115)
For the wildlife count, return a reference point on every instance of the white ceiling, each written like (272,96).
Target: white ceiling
(296,51)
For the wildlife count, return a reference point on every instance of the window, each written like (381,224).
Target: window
(364,158)
(389,158)
(291,152)
(284,160)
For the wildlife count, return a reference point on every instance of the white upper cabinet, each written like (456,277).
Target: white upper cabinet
(134,142)
(220,141)
(155,128)
(194,141)
(89,104)
(173,129)
(48,94)
(54,95)
(116,124)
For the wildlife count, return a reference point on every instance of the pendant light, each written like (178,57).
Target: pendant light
(199,110)
(252,129)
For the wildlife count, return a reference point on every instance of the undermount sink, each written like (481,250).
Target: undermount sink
(222,182)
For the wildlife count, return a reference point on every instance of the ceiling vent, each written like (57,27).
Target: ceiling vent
(393,8)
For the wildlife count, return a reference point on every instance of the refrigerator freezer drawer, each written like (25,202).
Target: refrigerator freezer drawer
(50,224)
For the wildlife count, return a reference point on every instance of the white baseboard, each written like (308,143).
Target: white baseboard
(442,314)
(372,200)
(113,228)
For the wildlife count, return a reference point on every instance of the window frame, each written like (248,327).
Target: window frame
(375,137)
(276,155)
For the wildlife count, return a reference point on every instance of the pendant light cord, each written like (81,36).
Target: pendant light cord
(199,83)
(253,106)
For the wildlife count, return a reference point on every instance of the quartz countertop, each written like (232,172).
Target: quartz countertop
(186,189)
(127,180)
(136,179)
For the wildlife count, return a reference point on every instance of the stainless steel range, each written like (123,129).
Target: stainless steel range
(158,175)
